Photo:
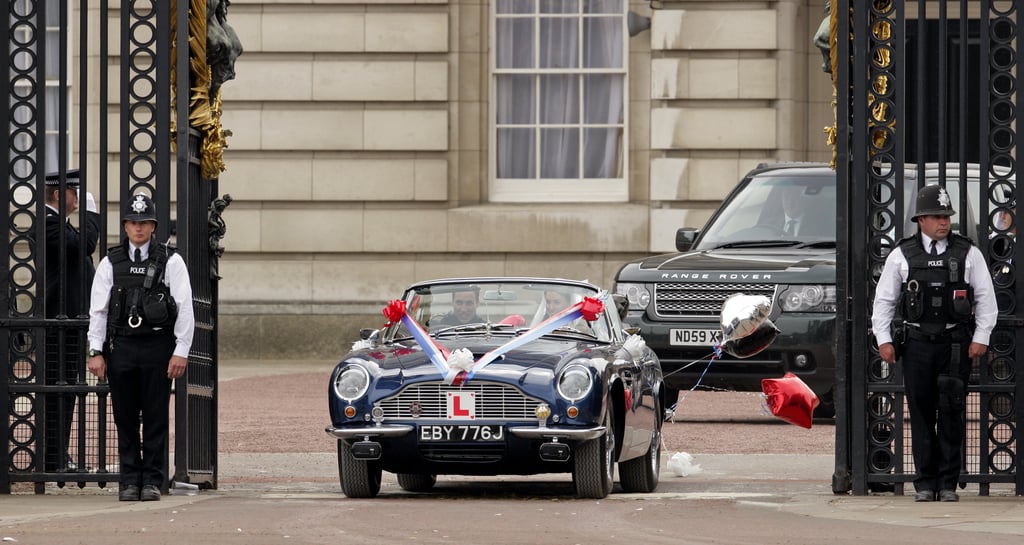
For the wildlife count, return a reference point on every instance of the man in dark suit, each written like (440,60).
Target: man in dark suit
(464,304)
(67,296)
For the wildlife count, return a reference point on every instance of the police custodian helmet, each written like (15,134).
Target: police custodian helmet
(933,200)
(139,208)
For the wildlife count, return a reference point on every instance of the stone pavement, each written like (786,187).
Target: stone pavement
(786,483)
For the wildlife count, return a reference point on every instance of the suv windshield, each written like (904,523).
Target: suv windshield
(776,209)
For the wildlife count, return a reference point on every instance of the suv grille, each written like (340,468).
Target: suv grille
(700,300)
(493,401)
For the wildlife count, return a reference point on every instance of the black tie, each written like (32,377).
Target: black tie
(138,253)
(935,249)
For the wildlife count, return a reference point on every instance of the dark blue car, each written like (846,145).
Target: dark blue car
(493,376)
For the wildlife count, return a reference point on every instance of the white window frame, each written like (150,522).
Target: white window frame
(558,190)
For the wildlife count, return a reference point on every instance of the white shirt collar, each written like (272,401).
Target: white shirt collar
(144,248)
(940,245)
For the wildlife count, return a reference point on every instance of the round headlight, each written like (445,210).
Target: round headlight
(637,294)
(791,301)
(352,382)
(805,298)
(575,383)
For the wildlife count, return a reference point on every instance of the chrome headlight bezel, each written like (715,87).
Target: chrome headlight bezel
(808,298)
(345,388)
(575,382)
(638,295)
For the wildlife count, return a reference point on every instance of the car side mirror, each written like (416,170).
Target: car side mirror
(621,305)
(685,238)
(366,333)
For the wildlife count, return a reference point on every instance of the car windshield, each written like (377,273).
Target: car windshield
(762,213)
(512,306)
(774,209)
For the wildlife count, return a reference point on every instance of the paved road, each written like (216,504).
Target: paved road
(290,494)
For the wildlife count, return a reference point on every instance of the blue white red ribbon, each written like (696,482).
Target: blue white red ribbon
(396,312)
(455,368)
(587,309)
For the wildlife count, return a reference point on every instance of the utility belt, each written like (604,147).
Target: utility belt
(117,331)
(957,333)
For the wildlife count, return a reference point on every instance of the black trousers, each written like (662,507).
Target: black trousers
(60,408)
(140,393)
(937,409)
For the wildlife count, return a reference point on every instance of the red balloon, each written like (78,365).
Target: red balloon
(790,399)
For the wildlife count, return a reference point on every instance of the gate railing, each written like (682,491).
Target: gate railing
(922,83)
(44,374)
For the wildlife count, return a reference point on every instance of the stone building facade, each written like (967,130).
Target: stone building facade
(363,152)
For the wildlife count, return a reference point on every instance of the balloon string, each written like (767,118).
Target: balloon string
(711,358)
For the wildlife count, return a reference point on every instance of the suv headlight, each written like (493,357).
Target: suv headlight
(808,298)
(575,382)
(637,294)
(352,382)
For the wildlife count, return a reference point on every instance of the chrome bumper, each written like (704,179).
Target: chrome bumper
(393,430)
(542,432)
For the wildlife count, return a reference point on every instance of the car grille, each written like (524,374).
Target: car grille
(493,401)
(700,300)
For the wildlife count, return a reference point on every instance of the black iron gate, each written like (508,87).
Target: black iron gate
(61,118)
(934,88)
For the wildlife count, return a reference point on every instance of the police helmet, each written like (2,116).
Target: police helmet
(71,178)
(139,208)
(933,200)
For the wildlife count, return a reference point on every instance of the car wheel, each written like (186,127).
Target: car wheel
(359,478)
(594,462)
(641,474)
(416,482)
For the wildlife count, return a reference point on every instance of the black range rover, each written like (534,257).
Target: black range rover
(750,245)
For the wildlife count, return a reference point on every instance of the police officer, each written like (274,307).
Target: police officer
(68,278)
(140,334)
(936,283)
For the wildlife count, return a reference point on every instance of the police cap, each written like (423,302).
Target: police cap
(139,208)
(933,200)
(53,178)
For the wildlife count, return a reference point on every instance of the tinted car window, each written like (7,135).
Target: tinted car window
(759,212)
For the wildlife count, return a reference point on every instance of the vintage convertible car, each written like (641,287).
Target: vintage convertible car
(491,376)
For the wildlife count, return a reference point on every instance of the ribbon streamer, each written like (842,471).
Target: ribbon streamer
(396,312)
(459,367)
(588,309)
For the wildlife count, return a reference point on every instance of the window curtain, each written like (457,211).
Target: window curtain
(550,107)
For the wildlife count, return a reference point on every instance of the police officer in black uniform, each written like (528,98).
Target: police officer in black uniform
(68,278)
(937,291)
(140,333)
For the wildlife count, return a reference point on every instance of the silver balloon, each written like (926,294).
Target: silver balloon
(754,342)
(742,315)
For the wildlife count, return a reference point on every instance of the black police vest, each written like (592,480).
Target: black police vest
(935,293)
(133,309)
